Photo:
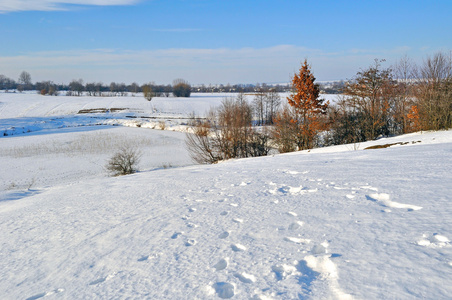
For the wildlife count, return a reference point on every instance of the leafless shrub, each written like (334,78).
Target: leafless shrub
(227,133)
(124,162)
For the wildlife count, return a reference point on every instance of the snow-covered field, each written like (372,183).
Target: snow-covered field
(331,223)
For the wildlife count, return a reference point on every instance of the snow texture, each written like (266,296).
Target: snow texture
(330,223)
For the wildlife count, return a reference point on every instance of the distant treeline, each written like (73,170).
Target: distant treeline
(79,87)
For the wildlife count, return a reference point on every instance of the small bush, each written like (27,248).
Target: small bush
(181,88)
(124,162)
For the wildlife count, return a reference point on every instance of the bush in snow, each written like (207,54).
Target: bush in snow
(181,88)
(124,162)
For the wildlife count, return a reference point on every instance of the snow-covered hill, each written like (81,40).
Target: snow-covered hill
(330,223)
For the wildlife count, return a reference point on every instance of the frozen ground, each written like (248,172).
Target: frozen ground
(330,223)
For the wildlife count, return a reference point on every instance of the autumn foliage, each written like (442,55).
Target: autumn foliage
(307,108)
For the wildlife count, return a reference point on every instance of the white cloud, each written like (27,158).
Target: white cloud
(49,5)
(221,65)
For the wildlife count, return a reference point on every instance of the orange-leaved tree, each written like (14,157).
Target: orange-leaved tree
(308,107)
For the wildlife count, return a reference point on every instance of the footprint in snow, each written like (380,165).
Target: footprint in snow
(295,225)
(222,264)
(283,271)
(320,249)
(143,258)
(192,209)
(100,280)
(192,225)
(224,290)
(190,242)
(245,278)
(238,247)
(384,200)
(224,213)
(223,235)
(434,241)
(290,213)
(40,295)
(176,235)
(237,220)
(37,296)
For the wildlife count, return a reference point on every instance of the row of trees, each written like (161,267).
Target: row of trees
(98,88)
(180,87)
(377,102)
(390,101)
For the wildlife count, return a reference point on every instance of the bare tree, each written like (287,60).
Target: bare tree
(371,96)
(404,71)
(134,88)
(6,83)
(434,94)
(272,101)
(25,80)
(76,87)
(284,131)
(227,134)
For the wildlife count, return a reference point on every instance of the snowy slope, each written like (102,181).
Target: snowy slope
(343,224)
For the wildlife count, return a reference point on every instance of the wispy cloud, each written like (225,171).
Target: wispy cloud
(52,5)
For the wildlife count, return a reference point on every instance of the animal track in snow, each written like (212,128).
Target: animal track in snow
(238,247)
(102,279)
(434,241)
(320,249)
(224,290)
(192,225)
(190,242)
(245,278)
(237,220)
(285,189)
(40,295)
(37,296)
(192,209)
(143,258)
(223,235)
(222,264)
(383,199)
(295,225)
(176,235)
(224,213)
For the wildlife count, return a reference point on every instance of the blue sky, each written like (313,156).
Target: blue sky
(214,41)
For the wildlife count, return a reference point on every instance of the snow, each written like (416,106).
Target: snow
(330,223)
